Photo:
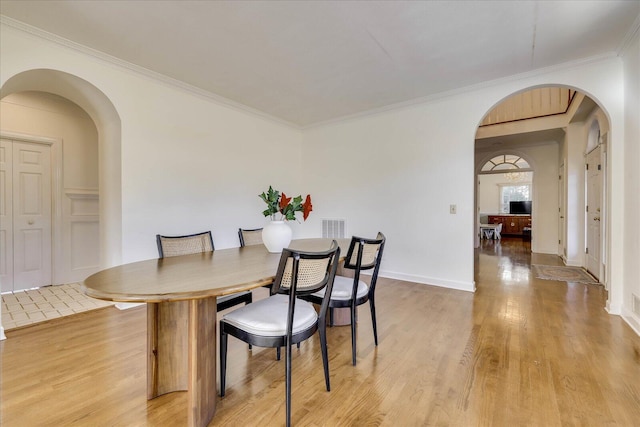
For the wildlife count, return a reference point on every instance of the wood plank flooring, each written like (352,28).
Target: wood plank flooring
(519,352)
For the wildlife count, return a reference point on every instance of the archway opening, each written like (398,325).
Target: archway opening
(107,121)
(554,128)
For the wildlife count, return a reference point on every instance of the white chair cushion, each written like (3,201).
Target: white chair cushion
(268,317)
(342,288)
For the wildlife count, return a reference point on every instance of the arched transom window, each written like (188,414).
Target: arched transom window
(505,163)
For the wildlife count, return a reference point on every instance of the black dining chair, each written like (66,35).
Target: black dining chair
(250,236)
(169,246)
(363,254)
(282,319)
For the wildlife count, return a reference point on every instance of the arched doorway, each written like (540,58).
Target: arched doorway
(563,130)
(107,121)
(101,110)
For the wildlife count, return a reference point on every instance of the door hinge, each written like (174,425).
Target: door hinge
(586,250)
(599,167)
(587,208)
(559,241)
(587,165)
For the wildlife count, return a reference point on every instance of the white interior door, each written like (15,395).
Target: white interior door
(594,216)
(6,216)
(26,197)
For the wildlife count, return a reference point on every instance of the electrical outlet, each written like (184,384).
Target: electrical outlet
(452,209)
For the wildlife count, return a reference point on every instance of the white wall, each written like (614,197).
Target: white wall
(76,248)
(575,144)
(398,172)
(631,61)
(43,114)
(545,160)
(199,166)
(489,193)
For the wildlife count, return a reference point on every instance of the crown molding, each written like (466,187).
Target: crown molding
(141,71)
(632,34)
(466,89)
(169,81)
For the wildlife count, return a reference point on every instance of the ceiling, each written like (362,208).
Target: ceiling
(310,62)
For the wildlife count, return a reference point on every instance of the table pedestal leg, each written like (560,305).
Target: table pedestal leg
(181,346)
(167,347)
(202,361)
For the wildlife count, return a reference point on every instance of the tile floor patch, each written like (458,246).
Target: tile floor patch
(25,308)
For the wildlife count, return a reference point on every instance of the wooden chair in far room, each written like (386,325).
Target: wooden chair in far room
(169,246)
(250,236)
(363,254)
(282,319)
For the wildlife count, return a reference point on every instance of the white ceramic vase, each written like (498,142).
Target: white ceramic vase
(276,236)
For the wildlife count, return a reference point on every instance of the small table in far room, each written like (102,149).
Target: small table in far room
(490,231)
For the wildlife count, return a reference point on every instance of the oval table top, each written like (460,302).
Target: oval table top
(204,275)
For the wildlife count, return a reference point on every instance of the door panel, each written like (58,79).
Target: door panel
(31,215)
(594,184)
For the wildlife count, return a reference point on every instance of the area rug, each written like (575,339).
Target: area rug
(564,274)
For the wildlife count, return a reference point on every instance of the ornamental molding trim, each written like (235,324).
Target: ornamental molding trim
(141,71)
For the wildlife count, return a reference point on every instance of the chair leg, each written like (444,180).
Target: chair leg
(353,335)
(249,300)
(331,316)
(277,353)
(325,355)
(372,304)
(288,380)
(223,361)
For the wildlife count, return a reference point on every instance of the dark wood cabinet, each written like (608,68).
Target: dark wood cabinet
(511,224)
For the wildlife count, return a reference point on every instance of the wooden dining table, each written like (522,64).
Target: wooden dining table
(180,293)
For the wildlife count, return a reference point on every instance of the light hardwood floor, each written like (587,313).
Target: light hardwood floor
(519,352)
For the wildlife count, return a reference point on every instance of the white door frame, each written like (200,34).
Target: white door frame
(55,145)
(562,224)
(604,215)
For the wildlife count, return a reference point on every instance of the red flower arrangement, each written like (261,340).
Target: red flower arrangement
(286,206)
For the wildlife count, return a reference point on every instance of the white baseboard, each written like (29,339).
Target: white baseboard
(2,335)
(443,283)
(545,251)
(613,309)
(572,263)
(632,320)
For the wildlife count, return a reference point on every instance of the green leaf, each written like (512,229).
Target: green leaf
(271,198)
